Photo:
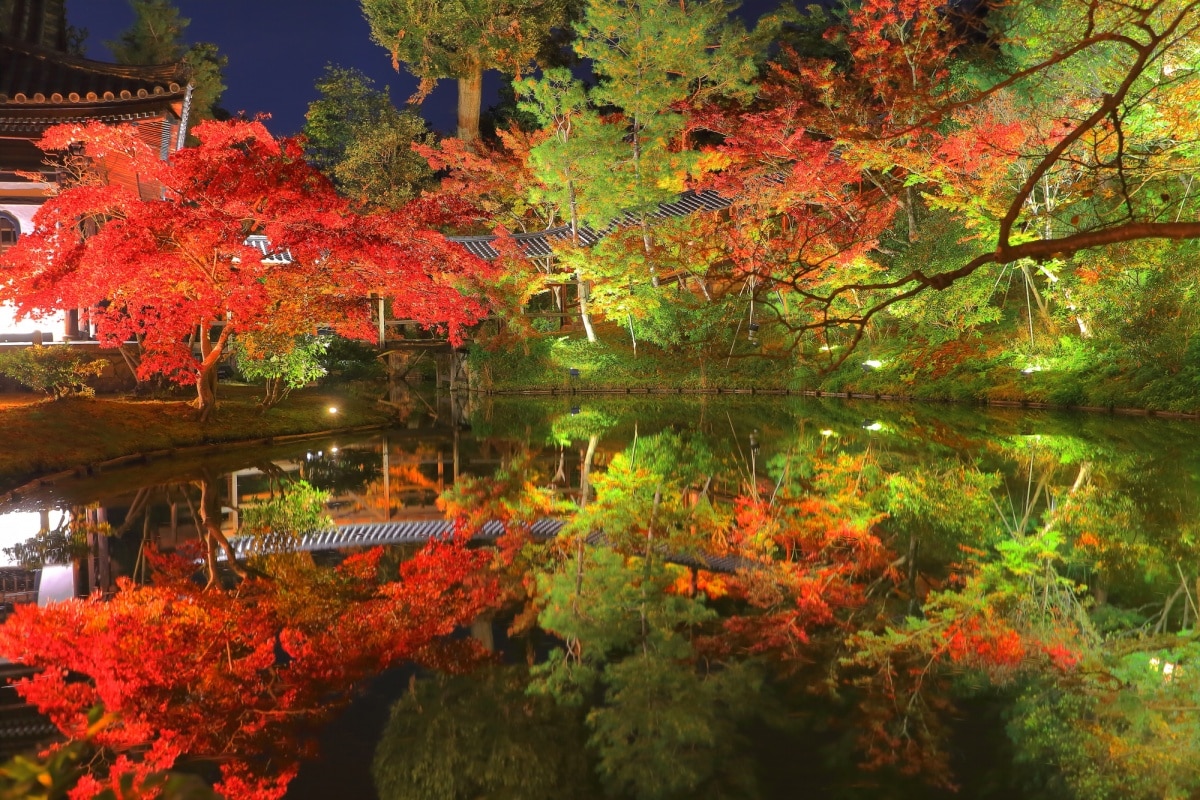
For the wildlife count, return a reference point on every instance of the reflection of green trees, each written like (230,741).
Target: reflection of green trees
(60,544)
(1043,571)
(661,725)
(344,472)
(481,735)
(895,575)
(943,505)
(580,424)
(1127,728)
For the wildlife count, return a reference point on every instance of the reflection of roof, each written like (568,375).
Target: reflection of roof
(40,87)
(19,585)
(381,533)
(373,534)
(21,726)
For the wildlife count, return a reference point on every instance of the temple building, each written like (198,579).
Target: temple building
(42,85)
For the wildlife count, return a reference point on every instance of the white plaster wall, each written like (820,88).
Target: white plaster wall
(23,212)
(55,323)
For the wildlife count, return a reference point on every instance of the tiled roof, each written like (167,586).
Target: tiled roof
(270,256)
(41,22)
(41,87)
(540,243)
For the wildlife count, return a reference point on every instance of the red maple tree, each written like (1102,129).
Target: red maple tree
(915,108)
(184,270)
(241,677)
(826,158)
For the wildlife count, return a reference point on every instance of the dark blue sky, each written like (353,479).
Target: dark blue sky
(277,49)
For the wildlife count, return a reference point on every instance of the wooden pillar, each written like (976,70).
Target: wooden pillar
(382,322)
(71,325)
(234,513)
(387,481)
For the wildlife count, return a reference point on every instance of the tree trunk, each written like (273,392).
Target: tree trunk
(583,307)
(133,361)
(210,520)
(206,391)
(585,488)
(206,381)
(274,392)
(470,101)
(911,209)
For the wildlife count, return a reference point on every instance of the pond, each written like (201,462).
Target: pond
(664,597)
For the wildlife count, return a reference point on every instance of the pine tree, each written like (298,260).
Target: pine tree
(654,58)
(357,137)
(157,37)
(460,39)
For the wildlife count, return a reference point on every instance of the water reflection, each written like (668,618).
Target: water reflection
(900,577)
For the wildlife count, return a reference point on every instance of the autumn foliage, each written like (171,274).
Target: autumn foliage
(181,270)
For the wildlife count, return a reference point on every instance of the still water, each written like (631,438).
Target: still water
(977,520)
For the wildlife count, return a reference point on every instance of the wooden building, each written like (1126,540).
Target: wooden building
(42,85)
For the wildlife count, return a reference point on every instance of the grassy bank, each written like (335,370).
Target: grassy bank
(611,363)
(51,436)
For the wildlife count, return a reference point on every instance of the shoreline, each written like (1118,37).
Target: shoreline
(23,484)
(87,470)
(77,437)
(1031,405)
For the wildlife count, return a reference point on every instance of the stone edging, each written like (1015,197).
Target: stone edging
(146,458)
(1025,404)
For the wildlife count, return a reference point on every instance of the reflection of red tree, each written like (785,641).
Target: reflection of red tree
(237,677)
(405,485)
(808,566)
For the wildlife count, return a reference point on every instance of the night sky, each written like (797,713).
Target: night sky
(277,49)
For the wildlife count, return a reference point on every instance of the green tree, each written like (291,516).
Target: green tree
(56,370)
(157,37)
(357,137)
(460,39)
(653,58)
(570,157)
(281,365)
